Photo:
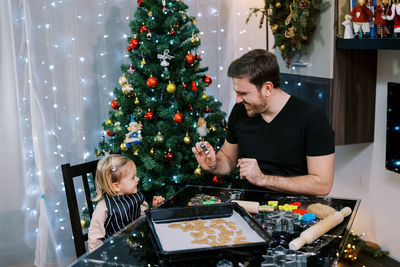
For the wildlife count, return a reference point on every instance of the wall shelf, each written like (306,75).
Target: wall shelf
(368,43)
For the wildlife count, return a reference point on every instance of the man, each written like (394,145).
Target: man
(276,140)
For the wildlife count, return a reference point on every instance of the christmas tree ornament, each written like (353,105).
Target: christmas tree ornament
(130,95)
(172,31)
(136,152)
(194,21)
(189,58)
(148,35)
(163,57)
(122,80)
(275,27)
(120,114)
(171,88)
(169,156)
(136,101)
(213,128)
(207,110)
(187,139)
(293,42)
(140,2)
(114,104)
(159,139)
(109,122)
(150,13)
(205,96)
(148,116)
(190,107)
(184,17)
(134,43)
(152,82)
(143,62)
(163,8)
(178,117)
(123,146)
(109,133)
(278,4)
(201,127)
(198,171)
(131,70)
(84,223)
(151,151)
(134,128)
(194,86)
(282,47)
(127,88)
(143,28)
(197,57)
(98,153)
(207,79)
(117,128)
(217,179)
(184,85)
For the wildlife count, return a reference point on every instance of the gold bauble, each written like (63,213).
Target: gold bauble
(198,171)
(143,62)
(150,14)
(159,138)
(152,151)
(195,39)
(127,88)
(213,128)
(187,140)
(171,88)
(194,21)
(123,146)
(275,27)
(204,96)
(98,153)
(122,80)
(282,47)
(109,122)
(83,223)
(278,5)
(136,152)
(136,101)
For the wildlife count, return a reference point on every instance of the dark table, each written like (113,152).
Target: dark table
(136,246)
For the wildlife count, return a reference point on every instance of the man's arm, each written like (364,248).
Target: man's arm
(318,181)
(221,163)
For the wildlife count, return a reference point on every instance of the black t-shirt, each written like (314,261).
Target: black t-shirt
(300,129)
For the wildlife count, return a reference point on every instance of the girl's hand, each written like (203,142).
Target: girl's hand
(157,200)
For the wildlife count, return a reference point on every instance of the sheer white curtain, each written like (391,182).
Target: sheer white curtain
(59,64)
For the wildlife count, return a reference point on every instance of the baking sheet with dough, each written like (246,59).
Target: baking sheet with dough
(174,239)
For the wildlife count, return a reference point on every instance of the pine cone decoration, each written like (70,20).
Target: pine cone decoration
(304,5)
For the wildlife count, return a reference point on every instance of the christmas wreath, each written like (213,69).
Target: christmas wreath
(292,22)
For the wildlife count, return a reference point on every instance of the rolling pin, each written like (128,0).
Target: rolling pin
(252,206)
(317,230)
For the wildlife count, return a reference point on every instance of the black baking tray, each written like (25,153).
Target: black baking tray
(205,212)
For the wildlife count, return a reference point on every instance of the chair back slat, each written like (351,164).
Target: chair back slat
(69,174)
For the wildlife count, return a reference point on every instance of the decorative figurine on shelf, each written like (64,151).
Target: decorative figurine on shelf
(360,17)
(348,27)
(382,25)
(395,16)
(133,136)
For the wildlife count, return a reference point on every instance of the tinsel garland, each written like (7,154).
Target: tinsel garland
(292,22)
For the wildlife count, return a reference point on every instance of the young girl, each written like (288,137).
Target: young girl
(120,203)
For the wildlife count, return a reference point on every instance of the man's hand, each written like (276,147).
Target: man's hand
(250,171)
(207,161)
(157,200)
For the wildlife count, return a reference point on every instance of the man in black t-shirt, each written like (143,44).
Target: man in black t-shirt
(277,141)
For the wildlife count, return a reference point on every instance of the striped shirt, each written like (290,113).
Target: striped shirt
(122,210)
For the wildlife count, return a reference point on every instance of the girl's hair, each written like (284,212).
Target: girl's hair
(107,173)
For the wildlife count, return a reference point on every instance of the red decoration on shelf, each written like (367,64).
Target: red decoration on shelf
(149,116)
(152,82)
(109,133)
(207,79)
(178,117)
(194,86)
(139,2)
(189,58)
(217,179)
(143,28)
(169,156)
(133,44)
(114,104)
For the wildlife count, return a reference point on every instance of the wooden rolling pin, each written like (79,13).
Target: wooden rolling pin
(317,230)
(252,206)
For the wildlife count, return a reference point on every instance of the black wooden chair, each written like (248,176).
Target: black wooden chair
(69,174)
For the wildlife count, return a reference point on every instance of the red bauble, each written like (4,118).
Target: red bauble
(109,133)
(217,179)
(129,48)
(293,42)
(114,104)
(143,28)
(208,110)
(189,59)
(152,82)
(178,117)
(190,107)
(197,56)
(207,79)
(194,86)
(134,43)
(169,156)
(172,31)
(148,116)
(139,2)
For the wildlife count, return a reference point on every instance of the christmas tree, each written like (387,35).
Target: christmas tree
(161,107)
